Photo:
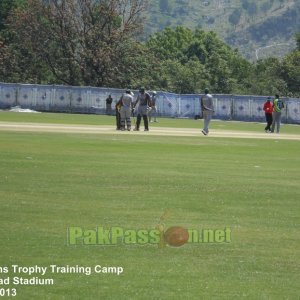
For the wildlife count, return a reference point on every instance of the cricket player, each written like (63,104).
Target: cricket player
(277,108)
(207,106)
(143,102)
(109,101)
(118,116)
(268,109)
(126,102)
(153,110)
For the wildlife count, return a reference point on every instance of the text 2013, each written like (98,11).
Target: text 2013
(8,292)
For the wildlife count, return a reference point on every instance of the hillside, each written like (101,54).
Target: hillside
(259,29)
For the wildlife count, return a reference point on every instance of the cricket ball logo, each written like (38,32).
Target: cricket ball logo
(174,236)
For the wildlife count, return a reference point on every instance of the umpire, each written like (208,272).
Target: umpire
(142,105)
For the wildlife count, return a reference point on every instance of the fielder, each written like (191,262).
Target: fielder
(268,109)
(277,108)
(126,102)
(207,106)
(153,111)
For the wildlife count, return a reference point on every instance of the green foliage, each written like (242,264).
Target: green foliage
(170,43)
(245,4)
(94,45)
(235,16)
(267,78)
(291,72)
(265,6)
(252,8)
(298,40)
(194,59)
(165,6)
(183,78)
(78,43)
(6,7)
(260,22)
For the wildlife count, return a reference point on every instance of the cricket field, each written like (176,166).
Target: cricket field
(84,209)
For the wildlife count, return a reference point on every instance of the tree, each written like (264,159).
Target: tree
(170,43)
(267,78)
(165,6)
(252,9)
(191,59)
(183,78)
(245,4)
(297,36)
(6,7)
(266,6)
(291,72)
(235,16)
(80,41)
(221,79)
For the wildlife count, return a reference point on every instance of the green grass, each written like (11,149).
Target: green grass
(49,182)
(54,118)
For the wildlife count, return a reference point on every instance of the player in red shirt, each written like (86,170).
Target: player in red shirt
(268,109)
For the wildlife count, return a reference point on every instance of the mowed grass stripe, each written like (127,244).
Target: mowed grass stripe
(83,119)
